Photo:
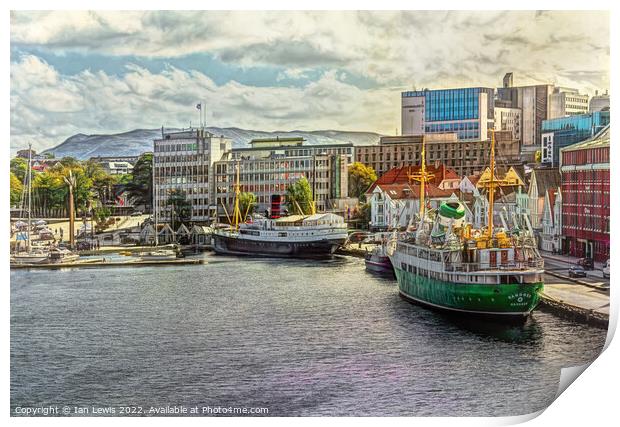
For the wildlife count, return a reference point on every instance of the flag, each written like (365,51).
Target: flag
(198,106)
(120,201)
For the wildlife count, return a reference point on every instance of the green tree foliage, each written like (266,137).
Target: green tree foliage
(247,203)
(49,190)
(19,167)
(360,178)
(299,196)
(101,181)
(181,208)
(364,213)
(16,190)
(101,214)
(141,186)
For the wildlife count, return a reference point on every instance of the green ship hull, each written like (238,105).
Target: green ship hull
(505,300)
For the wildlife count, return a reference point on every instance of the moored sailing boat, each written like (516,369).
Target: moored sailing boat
(39,255)
(446,264)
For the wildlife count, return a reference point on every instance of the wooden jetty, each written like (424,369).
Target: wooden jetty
(104,263)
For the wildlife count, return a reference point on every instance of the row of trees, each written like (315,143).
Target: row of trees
(94,187)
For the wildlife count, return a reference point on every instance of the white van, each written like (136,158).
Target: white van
(606,270)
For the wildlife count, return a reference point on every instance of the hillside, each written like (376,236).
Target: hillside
(138,141)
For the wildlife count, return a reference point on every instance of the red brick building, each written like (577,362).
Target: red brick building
(585,197)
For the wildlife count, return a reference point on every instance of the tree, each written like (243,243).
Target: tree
(102,181)
(101,215)
(19,167)
(247,203)
(49,191)
(364,214)
(141,186)
(360,178)
(180,207)
(299,196)
(16,190)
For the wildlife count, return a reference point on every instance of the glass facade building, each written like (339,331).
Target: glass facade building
(455,110)
(564,131)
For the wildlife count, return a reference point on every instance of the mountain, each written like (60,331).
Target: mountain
(138,141)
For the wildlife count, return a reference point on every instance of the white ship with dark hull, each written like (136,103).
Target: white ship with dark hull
(298,236)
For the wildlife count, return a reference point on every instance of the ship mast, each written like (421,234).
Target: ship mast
(29,195)
(236,211)
(422,177)
(491,186)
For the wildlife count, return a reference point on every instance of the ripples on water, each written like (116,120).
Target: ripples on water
(297,337)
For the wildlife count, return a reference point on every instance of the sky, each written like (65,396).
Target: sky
(109,72)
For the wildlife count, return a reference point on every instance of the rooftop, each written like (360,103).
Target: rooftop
(601,139)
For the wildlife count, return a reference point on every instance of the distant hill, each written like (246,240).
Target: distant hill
(138,141)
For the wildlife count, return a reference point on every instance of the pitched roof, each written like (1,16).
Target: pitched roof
(547,178)
(412,191)
(400,175)
(601,139)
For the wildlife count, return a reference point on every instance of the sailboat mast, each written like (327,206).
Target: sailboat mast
(28,246)
(491,186)
(423,179)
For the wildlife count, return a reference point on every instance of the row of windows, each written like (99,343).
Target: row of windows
(586,156)
(176,147)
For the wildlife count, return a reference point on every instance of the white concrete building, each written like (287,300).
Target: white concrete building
(508,119)
(184,161)
(567,102)
(599,102)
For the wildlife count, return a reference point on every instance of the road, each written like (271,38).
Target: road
(560,266)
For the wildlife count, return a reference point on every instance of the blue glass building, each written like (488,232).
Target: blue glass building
(449,110)
(564,131)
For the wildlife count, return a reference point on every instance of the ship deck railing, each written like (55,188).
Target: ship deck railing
(468,267)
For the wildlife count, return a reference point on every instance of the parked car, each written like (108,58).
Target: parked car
(136,213)
(576,271)
(606,270)
(586,263)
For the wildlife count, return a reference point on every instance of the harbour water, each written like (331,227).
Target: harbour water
(297,337)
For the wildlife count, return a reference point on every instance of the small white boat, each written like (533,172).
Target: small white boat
(158,255)
(59,256)
(29,258)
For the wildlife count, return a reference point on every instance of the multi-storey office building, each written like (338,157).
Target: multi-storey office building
(291,147)
(599,102)
(533,101)
(567,102)
(468,112)
(564,131)
(508,119)
(585,197)
(538,103)
(465,157)
(183,161)
(270,166)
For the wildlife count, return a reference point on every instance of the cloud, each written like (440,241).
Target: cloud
(389,51)
(47,107)
(389,47)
